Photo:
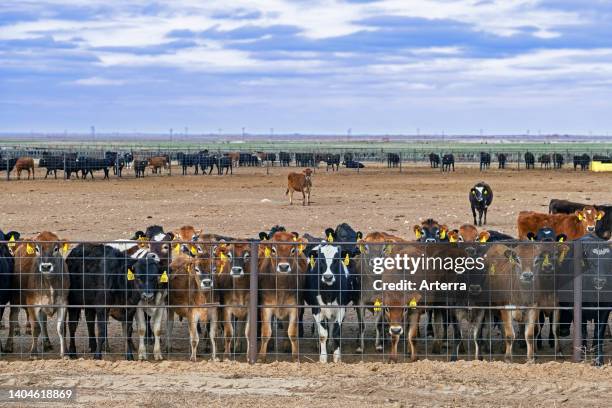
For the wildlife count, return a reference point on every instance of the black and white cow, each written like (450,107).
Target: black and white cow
(481,197)
(329,291)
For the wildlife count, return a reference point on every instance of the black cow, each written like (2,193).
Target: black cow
(583,161)
(501,158)
(7,265)
(304,160)
(189,160)
(603,228)
(333,160)
(91,164)
(207,163)
(557,160)
(8,164)
(224,162)
(481,197)
(284,158)
(140,167)
(529,160)
(434,160)
(351,164)
(448,160)
(105,282)
(496,236)
(393,159)
(485,160)
(52,164)
(329,289)
(544,160)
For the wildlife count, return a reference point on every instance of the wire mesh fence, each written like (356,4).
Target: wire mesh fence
(289,298)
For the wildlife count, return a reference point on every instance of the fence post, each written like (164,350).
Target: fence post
(253,301)
(577,338)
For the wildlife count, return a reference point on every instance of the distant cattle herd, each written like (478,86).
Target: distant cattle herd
(80,165)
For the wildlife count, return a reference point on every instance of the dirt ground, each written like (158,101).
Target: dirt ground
(241,205)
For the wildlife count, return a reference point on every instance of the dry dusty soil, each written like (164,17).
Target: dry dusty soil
(250,201)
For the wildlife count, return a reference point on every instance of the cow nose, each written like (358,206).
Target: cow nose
(147,295)
(46,267)
(328,278)
(236,271)
(590,228)
(206,283)
(527,276)
(284,267)
(430,240)
(396,330)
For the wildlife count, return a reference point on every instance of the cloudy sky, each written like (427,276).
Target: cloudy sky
(388,66)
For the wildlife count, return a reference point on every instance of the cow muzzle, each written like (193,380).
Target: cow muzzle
(599,283)
(236,272)
(328,278)
(206,283)
(396,330)
(283,267)
(526,277)
(590,228)
(147,295)
(430,240)
(46,267)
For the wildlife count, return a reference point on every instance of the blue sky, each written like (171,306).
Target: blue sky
(383,67)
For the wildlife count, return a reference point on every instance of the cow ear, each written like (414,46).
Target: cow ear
(330,235)
(453,236)
(579,215)
(561,238)
(359,235)
(361,245)
(443,231)
(263,236)
(418,231)
(138,234)
(531,236)
(484,236)
(600,215)
(295,235)
(171,236)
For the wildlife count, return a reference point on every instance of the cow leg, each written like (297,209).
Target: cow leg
(337,334)
(13,322)
(228,332)
(102,332)
(157,321)
(35,321)
(439,330)
(412,331)
(90,320)
(73,322)
(246,334)
(61,328)
(554,328)
(290,196)
(266,331)
(379,329)
(506,316)
(142,331)
(532,317)
(322,331)
(361,344)
(194,338)
(474,214)
(600,329)
(212,332)
(485,216)
(292,332)
(126,327)
(170,329)
(308,196)
(477,332)
(303,197)
(45,333)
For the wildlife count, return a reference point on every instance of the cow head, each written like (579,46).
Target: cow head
(589,216)
(308,174)
(147,276)
(546,234)
(479,192)
(327,262)
(284,250)
(431,231)
(11,237)
(49,252)
(233,259)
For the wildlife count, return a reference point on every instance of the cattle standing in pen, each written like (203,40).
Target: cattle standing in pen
(299,182)
(7,267)
(481,197)
(529,160)
(24,163)
(41,276)
(448,161)
(572,225)
(603,229)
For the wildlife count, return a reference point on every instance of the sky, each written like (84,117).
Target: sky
(374,67)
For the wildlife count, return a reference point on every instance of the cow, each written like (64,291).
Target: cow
(448,160)
(603,228)
(529,160)
(233,272)
(41,286)
(333,160)
(558,160)
(468,233)
(328,290)
(430,231)
(481,197)
(52,164)
(583,161)
(191,287)
(8,165)
(7,266)
(544,161)
(304,159)
(156,163)
(24,163)
(496,236)
(501,158)
(207,163)
(299,182)
(282,268)
(573,225)
(129,159)
(351,164)
(434,160)
(90,164)
(284,158)
(102,281)
(224,162)
(139,167)
(393,159)
(485,160)
(189,160)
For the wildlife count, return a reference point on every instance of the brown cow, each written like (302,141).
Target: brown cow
(157,162)
(233,268)
(573,225)
(299,182)
(468,233)
(282,270)
(40,278)
(190,288)
(24,163)
(430,230)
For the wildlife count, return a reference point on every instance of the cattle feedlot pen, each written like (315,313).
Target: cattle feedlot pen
(306,300)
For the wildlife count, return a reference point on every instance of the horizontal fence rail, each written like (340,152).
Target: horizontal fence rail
(307,300)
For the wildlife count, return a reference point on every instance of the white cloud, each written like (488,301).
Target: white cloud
(98,81)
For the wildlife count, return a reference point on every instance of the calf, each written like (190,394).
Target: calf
(393,159)
(468,233)
(557,160)
(431,231)
(603,228)
(333,160)
(156,163)
(284,158)
(189,160)
(501,158)
(139,167)
(583,161)
(224,162)
(571,225)
(102,282)
(544,160)
(191,284)
(41,286)
(7,266)
(529,160)
(481,197)
(448,160)
(282,268)
(24,163)
(485,160)
(299,182)
(434,160)
(91,164)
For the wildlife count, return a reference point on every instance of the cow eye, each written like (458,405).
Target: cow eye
(292,251)
(55,249)
(37,249)
(165,247)
(246,255)
(273,250)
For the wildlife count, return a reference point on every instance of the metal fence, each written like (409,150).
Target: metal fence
(307,301)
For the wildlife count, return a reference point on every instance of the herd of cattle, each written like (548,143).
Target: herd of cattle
(205,161)
(204,278)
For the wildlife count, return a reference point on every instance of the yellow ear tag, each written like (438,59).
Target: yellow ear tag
(130,275)
(301,248)
(362,248)
(193,250)
(412,303)
(546,261)
(330,238)
(417,233)
(312,261)
(30,249)
(377,305)
(267,252)
(143,241)
(223,258)
(12,244)
(599,217)
(580,217)
(483,239)
(347,260)
(561,239)
(443,234)
(177,249)
(452,238)
(492,270)
(65,247)
(163,278)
